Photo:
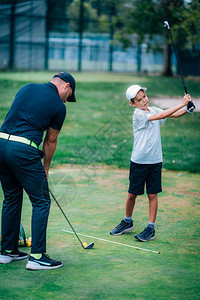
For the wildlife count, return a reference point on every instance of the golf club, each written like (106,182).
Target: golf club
(89,246)
(190,106)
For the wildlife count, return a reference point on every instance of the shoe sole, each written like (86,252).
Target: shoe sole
(141,240)
(6,259)
(126,230)
(35,266)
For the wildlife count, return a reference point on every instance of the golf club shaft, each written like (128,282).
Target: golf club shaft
(178,62)
(66,217)
(190,105)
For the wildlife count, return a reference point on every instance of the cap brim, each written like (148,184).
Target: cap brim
(72,98)
(144,89)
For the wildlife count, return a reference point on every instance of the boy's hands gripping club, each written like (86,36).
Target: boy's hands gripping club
(190,104)
(186,99)
(190,107)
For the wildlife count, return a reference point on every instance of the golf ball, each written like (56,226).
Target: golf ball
(84,244)
(28,242)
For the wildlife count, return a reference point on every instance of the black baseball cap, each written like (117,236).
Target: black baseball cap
(68,78)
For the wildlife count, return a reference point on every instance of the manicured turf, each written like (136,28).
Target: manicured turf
(110,271)
(96,143)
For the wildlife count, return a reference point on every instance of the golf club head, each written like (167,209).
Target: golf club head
(166,24)
(89,246)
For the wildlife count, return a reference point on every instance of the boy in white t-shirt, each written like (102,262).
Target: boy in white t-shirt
(146,158)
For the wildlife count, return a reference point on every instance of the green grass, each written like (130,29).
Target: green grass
(110,271)
(98,128)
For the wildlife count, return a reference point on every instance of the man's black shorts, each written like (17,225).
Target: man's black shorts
(145,173)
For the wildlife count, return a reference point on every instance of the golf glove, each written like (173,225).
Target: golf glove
(190,107)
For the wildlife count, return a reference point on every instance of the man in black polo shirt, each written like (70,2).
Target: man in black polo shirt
(35,109)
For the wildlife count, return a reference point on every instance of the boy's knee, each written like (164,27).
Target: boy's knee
(131,196)
(152,197)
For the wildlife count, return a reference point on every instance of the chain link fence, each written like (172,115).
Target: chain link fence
(28,42)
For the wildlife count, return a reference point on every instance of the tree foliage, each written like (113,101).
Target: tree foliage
(192,23)
(141,18)
(145,19)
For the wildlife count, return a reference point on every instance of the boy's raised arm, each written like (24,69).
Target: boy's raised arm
(172,112)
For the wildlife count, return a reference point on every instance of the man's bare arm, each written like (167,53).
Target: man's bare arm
(49,147)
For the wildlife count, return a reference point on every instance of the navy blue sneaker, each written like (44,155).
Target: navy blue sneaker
(7,257)
(146,235)
(122,227)
(44,263)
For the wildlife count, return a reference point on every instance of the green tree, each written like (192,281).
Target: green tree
(56,15)
(145,19)
(142,18)
(73,12)
(191,23)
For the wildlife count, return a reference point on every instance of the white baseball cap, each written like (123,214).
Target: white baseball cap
(132,91)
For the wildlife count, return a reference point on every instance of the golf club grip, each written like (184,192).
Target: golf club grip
(65,217)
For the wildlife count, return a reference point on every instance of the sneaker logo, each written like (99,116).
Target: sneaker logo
(42,263)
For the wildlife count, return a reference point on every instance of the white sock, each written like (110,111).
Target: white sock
(128,219)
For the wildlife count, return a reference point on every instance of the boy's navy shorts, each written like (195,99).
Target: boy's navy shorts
(145,173)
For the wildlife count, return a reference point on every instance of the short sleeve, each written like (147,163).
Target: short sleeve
(58,119)
(140,120)
(158,110)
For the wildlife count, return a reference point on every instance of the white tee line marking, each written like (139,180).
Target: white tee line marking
(138,248)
